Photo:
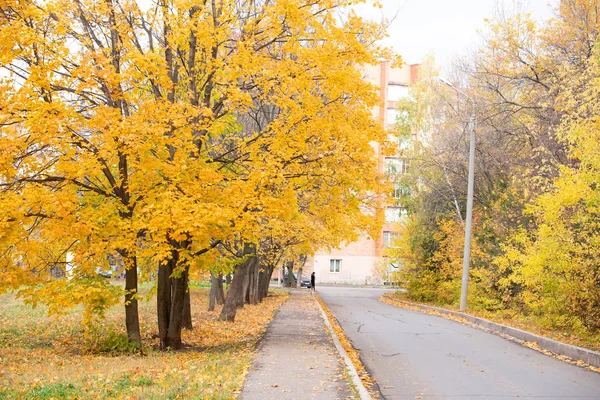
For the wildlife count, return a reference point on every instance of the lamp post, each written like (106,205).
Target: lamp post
(471,181)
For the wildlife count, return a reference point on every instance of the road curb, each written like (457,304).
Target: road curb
(362,391)
(575,353)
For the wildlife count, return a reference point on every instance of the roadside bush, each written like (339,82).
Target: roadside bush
(106,340)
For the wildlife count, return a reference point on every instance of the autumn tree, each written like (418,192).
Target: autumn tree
(125,129)
(67,121)
(534,90)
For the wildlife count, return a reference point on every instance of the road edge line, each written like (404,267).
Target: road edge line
(352,372)
(565,352)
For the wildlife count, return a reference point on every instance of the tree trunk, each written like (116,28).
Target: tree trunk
(290,281)
(132,316)
(245,297)
(264,278)
(253,273)
(299,280)
(187,305)
(220,295)
(268,281)
(179,286)
(163,300)
(171,298)
(216,284)
(235,294)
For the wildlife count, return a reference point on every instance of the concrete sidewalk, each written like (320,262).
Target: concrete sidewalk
(297,358)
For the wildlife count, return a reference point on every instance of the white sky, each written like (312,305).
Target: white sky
(446,28)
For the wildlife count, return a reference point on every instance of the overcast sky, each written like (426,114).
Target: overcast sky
(445,27)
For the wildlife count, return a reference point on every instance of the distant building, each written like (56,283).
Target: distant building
(364,261)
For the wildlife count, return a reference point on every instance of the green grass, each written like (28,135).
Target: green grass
(55,391)
(200,284)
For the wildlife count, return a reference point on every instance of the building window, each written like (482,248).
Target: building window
(396,116)
(335,266)
(395,139)
(405,166)
(397,92)
(395,214)
(396,166)
(392,115)
(389,239)
(405,143)
(401,191)
(393,165)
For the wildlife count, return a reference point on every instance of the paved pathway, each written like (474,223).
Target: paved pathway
(296,358)
(412,355)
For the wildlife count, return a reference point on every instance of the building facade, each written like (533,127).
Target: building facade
(364,261)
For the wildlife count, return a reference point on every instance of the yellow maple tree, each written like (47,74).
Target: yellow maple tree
(161,131)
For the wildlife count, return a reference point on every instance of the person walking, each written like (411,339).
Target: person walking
(312,281)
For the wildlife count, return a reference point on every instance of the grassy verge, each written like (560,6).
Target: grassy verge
(364,376)
(45,357)
(526,323)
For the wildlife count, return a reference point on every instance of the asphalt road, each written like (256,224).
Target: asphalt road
(412,355)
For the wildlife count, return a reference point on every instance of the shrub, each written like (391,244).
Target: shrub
(108,341)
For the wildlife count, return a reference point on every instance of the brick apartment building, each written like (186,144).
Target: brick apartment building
(362,262)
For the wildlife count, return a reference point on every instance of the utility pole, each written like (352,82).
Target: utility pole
(470,184)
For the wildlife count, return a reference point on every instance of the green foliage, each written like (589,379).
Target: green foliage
(109,342)
(200,284)
(129,380)
(55,391)
(96,295)
(422,286)
(535,251)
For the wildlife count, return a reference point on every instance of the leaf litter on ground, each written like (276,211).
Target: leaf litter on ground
(46,357)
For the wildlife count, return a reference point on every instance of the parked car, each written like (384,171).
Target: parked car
(104,273)
(305,283)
